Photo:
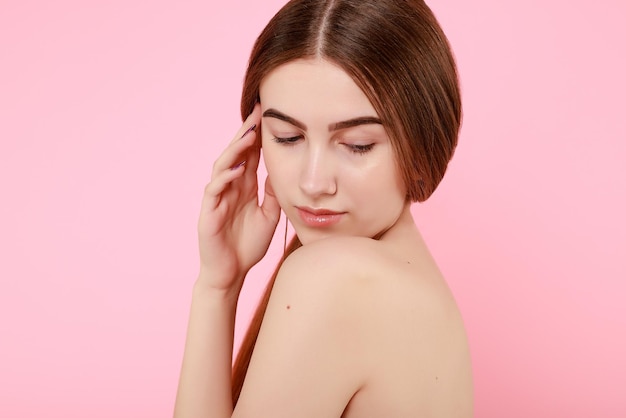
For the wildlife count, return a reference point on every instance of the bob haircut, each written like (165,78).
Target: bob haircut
(397,53)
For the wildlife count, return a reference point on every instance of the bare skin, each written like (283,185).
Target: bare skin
(355,326)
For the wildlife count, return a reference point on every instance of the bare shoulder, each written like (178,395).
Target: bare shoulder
(343,275)
(348,257)
(354,323)
(401,321)
(367,268)
(307,361)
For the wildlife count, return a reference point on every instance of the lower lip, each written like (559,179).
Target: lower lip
(319,221)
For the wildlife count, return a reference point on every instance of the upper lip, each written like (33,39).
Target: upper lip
(319,212)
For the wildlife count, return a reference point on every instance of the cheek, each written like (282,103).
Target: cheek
(380,179)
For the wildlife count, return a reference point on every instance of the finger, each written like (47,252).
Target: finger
(270,205)
(252,122)
(217,186)
(234,154)
(252,158)
(256,150)
(245,137)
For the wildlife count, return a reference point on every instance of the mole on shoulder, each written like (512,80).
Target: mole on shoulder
(288,306)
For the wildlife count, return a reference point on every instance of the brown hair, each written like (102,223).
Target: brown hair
(396,52)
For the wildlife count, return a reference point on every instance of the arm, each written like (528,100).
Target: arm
(313,350)
(234,233)
(204,388)
(348,325)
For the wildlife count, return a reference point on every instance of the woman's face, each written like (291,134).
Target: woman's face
(329,159)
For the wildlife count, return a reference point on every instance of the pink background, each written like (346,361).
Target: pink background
(111,113)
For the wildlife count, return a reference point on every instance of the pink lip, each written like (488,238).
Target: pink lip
(319,217)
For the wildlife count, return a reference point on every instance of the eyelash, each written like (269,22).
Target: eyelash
(360,149)
(356,149)
(287,141)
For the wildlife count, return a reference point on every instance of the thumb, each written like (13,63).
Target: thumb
(270,205)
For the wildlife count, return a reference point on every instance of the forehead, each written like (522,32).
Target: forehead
(314,89)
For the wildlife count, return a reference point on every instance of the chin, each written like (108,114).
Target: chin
(308,236)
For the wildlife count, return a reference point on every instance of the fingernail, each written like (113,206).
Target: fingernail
(250,129)
(238,165)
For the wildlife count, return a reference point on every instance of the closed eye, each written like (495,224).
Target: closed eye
(287,141)
(359,149)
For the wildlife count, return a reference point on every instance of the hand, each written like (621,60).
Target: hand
(234,232)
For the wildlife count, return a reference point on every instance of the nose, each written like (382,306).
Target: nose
(317,177)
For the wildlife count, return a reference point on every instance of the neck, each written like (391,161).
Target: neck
(404,227)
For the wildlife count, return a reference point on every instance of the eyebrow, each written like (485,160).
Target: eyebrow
(363,120)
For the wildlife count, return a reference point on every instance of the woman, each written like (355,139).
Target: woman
(356,106)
